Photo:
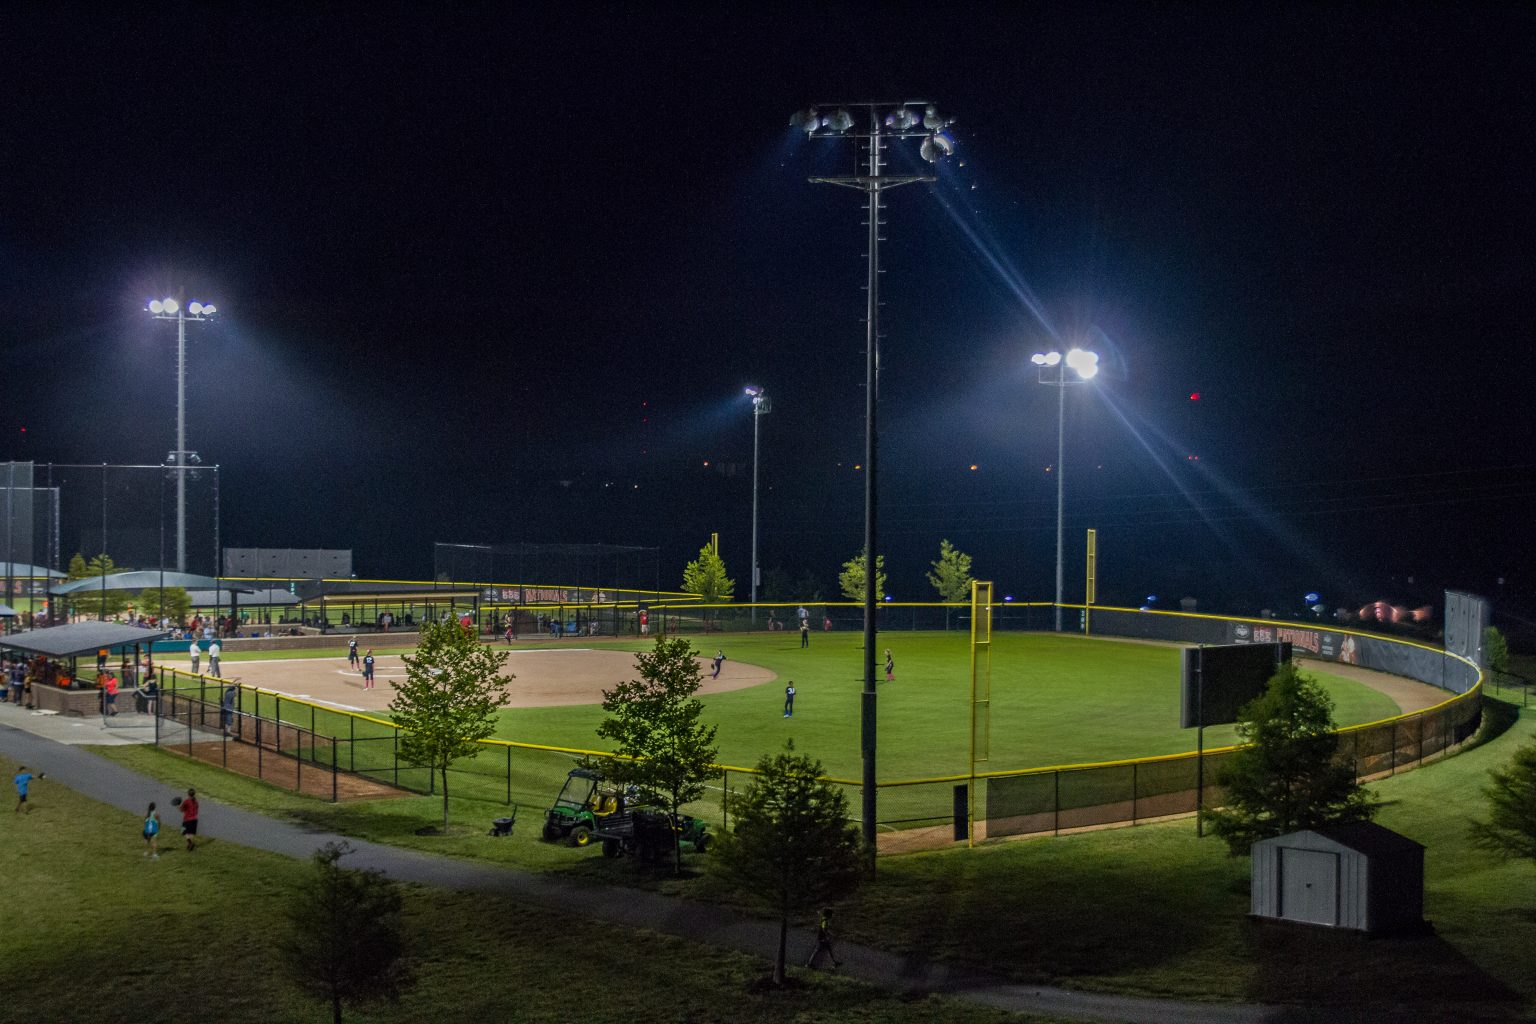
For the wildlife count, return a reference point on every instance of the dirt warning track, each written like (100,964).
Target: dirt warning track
(542,678)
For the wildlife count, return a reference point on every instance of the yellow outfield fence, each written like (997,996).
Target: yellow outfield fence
(337,751)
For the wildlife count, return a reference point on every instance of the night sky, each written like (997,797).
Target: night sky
(487,275)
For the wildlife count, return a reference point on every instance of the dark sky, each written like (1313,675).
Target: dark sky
(489,275)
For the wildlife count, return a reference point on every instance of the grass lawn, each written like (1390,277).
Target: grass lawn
(93,931)
(1148,910)
(1155,910)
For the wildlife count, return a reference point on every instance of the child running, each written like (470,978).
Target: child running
(151,832)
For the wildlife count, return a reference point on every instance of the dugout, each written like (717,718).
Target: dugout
(55,651)
(1361,877)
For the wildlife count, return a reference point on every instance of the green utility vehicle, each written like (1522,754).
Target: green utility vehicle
(574,813)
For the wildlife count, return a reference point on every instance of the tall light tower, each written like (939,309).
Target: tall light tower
(197,312)
(1085,364)
(761,407)
(885,121)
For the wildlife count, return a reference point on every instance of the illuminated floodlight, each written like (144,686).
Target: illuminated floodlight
(805,120)
(155,305)
(839,120)
(1045,358)
(210,310)
(936,147)
(196,309)
(931,119)
(754,390)
(901,119)
(1084,362)
(170,305)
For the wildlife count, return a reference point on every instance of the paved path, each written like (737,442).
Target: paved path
(128,790)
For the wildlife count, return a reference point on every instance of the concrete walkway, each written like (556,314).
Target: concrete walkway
(111,783)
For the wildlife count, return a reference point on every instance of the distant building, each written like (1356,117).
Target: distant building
(288,563)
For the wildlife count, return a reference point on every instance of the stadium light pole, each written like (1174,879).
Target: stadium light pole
(761,406)
(1086,365)
(171,309)
(886,121)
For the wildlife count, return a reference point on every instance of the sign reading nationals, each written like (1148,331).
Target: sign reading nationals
(540,595)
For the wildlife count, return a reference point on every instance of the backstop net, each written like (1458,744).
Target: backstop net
(54,511)
(533,573)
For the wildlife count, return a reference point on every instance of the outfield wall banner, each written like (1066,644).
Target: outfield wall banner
(1384,654)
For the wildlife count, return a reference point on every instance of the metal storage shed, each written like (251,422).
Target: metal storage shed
(1363,877)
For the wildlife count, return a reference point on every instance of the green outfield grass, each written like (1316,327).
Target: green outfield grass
(1055,700)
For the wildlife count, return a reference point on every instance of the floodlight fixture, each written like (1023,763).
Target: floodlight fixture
(179,458)
(1084,362)
(805,120)
(936,147)
(760,407)
(877,124)
(1085,365)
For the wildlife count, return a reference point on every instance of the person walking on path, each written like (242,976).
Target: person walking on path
(824,940)
(805,632)
(197,654)
(890,666)
(151,832)
(352,653)
(189,817)
(368,670)
(227,707)
(718,659)
(213,658)
(789,700)
(23,780)
(109,695)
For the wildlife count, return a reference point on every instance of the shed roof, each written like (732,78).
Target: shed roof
(7,612)
(80,638)
(1365,837)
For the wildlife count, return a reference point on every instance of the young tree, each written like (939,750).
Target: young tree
(453,688)
(792,847)
(76,569)
(1495,651)
(92,602)
(1287,777)
(706,577)
(851,579)
(661,745)
(169,604)
(345,942)
(1511,826)
(951,575)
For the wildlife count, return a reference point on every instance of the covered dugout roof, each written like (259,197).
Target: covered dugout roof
(146,578)
(7,612)
(252,598)
(80,638)
(28,571)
